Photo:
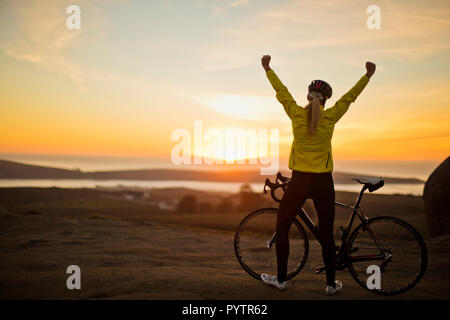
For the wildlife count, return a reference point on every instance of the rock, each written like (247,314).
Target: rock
(436,196)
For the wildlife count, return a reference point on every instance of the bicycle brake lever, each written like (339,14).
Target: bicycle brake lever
(278,177)
(265,185)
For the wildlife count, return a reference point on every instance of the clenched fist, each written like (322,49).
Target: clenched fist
(370,67)
(265,60)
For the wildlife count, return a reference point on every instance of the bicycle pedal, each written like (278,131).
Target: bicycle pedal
(319,270)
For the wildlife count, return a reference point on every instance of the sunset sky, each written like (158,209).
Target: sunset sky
(138,70)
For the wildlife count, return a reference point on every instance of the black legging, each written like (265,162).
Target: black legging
(305,185)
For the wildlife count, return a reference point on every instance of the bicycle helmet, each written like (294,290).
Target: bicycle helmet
(322,87)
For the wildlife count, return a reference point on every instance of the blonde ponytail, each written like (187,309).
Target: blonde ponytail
(313,116)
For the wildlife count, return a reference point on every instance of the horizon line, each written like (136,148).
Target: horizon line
(202,168)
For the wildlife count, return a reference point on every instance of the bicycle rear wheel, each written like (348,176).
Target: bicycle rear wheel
(392,245)
(254,244)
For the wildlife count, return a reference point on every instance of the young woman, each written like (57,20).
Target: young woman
(311,162)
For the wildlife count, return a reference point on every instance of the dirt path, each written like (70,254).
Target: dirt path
(145,260)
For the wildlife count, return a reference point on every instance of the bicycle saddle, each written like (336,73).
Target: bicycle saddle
(371,183)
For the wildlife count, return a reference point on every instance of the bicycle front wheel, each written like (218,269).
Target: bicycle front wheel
(254,244)
(390,247)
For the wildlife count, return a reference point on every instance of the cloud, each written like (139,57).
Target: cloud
(222,9)
(238,3)
(446,21)
(410,30)
(45,41)
(44,37)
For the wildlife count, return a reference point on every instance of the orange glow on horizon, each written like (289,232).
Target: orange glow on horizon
(80,93)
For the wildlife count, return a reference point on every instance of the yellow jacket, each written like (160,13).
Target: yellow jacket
(313,154)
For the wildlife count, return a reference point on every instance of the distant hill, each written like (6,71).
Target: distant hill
(15,170)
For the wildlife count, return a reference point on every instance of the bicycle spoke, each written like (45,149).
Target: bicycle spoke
(254,235)
(402,259)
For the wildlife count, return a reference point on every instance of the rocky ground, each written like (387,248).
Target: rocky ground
(151,260)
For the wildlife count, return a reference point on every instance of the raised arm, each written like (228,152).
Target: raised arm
(281,90)
(341,106)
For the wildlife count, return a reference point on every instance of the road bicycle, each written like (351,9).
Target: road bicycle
(388,244)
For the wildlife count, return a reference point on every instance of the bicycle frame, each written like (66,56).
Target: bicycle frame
(315,230)
(342,248)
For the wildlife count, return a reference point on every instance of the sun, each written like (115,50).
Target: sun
(242,106)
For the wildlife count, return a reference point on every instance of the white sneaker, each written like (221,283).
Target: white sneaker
(329,291)
(273,281)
